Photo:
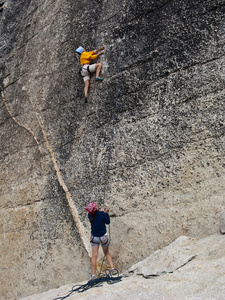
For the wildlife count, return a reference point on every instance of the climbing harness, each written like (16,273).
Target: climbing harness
(100,240)
(87,69)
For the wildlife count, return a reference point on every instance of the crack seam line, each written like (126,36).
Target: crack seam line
(72,207)
(190,259)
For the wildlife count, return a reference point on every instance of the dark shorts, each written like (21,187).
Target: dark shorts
(97,240)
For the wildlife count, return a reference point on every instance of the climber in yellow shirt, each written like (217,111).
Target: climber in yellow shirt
(87,68)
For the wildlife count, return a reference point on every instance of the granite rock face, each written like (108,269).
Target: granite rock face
(201,278)
(163,173)
(167,260)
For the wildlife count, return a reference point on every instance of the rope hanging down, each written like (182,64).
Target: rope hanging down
(114,117)
(101,21)
(115,108)
(107,276)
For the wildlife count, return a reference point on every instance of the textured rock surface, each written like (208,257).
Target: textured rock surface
(222,222)
(167,260)
(166,175)
(200,279)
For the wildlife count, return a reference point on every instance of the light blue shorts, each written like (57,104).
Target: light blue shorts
(97,240)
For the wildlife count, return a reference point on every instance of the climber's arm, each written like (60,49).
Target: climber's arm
(99,49)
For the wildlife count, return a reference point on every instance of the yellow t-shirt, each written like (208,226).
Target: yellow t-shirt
(86,57)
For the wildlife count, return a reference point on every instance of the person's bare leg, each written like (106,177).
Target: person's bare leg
(94,259)
(108,256)
(86,87)
(98,68)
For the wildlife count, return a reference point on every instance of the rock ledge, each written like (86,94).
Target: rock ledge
(187,269)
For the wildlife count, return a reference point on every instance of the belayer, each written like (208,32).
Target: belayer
(99,235)
(87,68)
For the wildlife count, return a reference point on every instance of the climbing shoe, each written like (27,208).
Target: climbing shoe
(98,79)
(85,100)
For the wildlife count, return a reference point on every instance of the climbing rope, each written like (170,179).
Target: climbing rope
(98,282)
(116,101)
(107,276)
(101,21)
(100,272)
(114,119)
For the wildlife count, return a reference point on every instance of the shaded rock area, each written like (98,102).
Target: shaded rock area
(201,278)
(166,174)
(222,222)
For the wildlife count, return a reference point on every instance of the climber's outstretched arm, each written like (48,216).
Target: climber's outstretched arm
(99,49)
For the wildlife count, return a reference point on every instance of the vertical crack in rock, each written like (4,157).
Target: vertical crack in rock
(72,207)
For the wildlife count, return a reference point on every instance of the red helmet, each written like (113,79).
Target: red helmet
(91,208)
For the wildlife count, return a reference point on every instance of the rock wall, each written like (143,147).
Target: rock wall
(166,172)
